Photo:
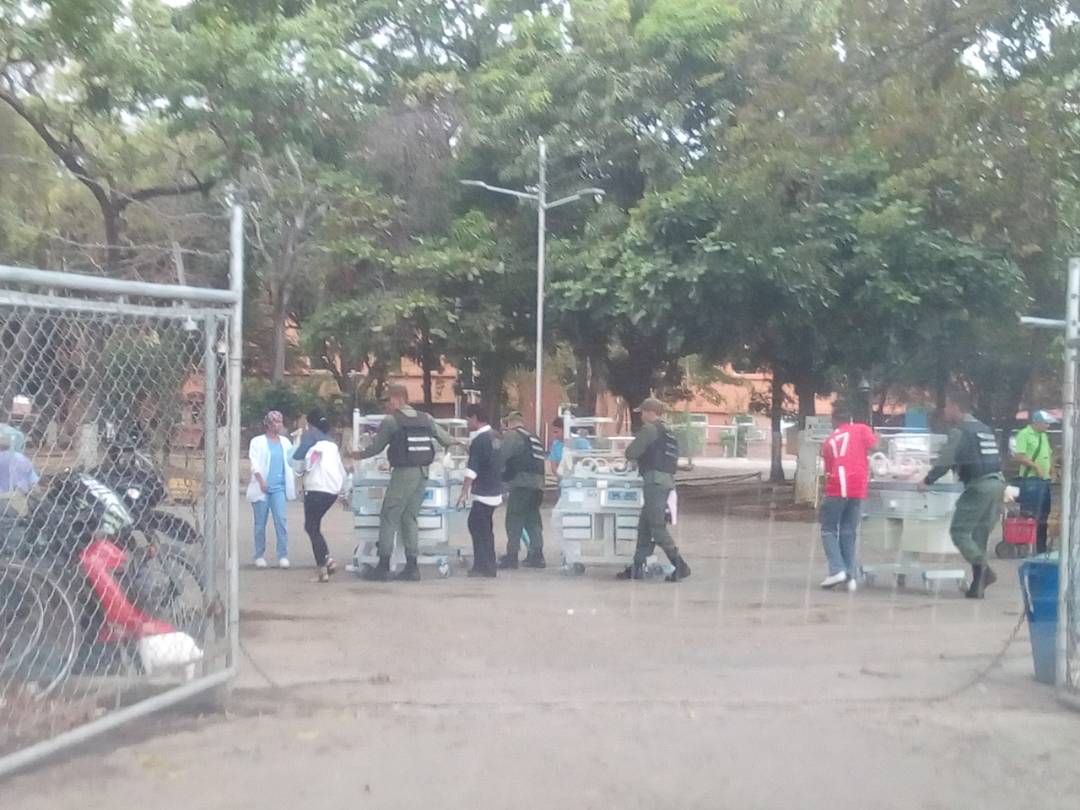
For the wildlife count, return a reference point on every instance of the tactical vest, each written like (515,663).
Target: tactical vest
(413,445)
(529,459)
(977,454)
(663,454)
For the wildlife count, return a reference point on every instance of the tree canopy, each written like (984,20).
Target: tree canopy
(830,191)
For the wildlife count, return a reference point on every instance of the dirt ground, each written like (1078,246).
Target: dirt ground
(745,686)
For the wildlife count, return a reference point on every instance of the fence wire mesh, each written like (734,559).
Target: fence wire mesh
(113,506)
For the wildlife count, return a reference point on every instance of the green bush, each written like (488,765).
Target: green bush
(260,396)
(691,437)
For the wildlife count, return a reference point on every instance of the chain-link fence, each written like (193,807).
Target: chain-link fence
(118,437)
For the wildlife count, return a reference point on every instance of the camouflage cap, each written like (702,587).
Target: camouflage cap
(653,405)
(396,389)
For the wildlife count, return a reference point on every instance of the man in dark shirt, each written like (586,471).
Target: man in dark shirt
(973,452)
(483,481)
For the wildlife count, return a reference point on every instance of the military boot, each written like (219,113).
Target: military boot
(534,561)
(380,573)
(507,561)
(635,571)
(410,573)
(682,570)
(982,576)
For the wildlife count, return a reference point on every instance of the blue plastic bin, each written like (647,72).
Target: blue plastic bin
(1039,585)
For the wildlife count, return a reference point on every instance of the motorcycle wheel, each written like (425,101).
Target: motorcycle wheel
(172,528)
(186,607)
(39,629)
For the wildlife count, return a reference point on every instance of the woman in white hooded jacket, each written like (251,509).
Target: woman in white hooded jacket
(324,480)
(272,484)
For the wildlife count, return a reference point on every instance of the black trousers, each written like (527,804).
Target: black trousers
(482,529)
(317,504)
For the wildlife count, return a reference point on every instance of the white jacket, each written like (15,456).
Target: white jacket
(259,455)
(325,472)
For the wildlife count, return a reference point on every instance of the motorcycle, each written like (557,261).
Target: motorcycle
(135,477)
(81,591)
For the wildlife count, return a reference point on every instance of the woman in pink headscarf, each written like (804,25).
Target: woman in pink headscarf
(272,484)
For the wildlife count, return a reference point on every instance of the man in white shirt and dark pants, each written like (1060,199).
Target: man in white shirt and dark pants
(483,481)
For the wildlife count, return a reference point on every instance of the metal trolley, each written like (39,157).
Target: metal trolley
(600,499)
(900,519)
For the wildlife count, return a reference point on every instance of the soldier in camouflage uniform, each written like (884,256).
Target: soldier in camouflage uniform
(973,452)
(656,451)
(410,437)
(522,458)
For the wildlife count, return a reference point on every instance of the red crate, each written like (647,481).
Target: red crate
(1020,531)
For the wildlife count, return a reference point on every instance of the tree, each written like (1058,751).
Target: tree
(74,73)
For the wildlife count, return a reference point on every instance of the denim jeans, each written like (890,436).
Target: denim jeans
(1035,502)
(274,502)
(839,530)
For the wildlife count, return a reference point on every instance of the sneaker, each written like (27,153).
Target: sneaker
(535,561)
(283,562)
(260,562)
(852,585)
(331,566)
(322,575)
(506,562)
(834,580)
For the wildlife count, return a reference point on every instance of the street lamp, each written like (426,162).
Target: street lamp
(542,207)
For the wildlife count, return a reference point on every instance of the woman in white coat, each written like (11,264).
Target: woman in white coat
(272,484)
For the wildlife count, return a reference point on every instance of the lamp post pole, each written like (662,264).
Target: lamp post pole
(542,207)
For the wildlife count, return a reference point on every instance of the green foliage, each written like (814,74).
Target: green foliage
(828,191)
(259,397)
(143,374)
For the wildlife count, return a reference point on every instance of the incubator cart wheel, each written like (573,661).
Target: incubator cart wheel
(901,580)
(1002,551)
(442,567)
(363,569)
(869,580)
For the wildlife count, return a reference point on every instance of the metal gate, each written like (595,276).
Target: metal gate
(1067,637)
(119,470)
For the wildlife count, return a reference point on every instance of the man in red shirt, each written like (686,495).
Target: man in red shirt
(847,480)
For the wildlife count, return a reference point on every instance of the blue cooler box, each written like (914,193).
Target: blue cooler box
(1039,585)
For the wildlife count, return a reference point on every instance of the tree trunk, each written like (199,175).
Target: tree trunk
(491,384)
(425,365)
(586,388)
(807,453)
(632,378)
(807,395)
(776,412)
(114,228)
(279,314)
